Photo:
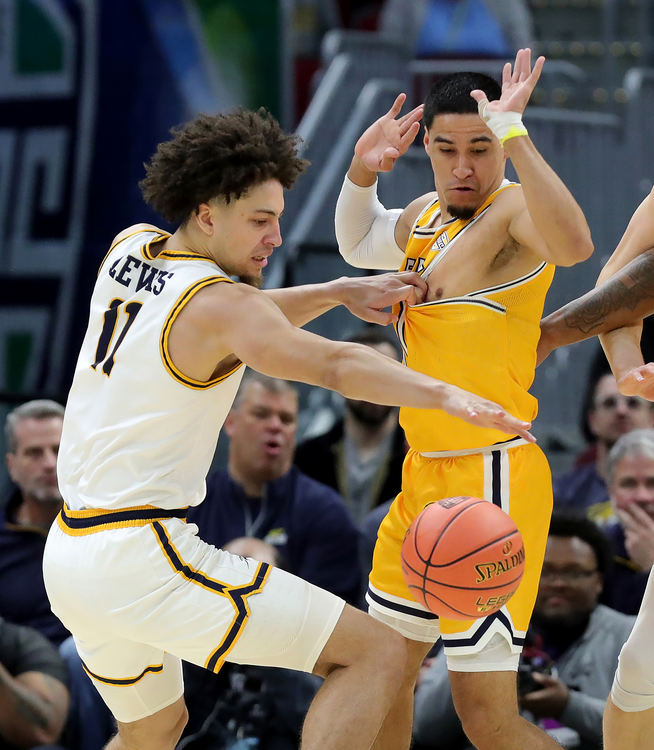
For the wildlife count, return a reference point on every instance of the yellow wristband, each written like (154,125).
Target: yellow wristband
(513,132)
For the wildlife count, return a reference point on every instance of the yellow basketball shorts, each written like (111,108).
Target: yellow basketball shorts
(513,475)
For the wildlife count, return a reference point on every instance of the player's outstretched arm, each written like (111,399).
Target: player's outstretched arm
(366,297)
(242,321)
(368,234)
(621,301)
(551,223)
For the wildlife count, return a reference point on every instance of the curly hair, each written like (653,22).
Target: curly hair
(219,156)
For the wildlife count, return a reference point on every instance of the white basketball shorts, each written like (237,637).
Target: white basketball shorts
(139,591)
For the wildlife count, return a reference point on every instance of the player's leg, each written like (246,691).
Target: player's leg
(160,731)
(483,678)
(629,713)
(487,705)
(632,730)
(396,730)
(363,663)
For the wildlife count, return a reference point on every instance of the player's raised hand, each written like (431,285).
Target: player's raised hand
(483,413)
(517,84)
(366,297)
(388,137)
(639,381)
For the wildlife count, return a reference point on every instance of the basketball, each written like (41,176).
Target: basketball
(463,558)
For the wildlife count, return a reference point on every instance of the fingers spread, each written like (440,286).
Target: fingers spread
(394,111)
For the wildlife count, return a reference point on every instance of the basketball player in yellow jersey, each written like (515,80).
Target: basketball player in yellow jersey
(486,248)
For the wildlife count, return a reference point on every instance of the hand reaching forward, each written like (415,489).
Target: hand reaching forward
(517,85)
(388,138)
(482,413)
(366,297)
(639,381)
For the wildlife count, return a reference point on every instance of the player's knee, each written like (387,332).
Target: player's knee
(160,733)
(635,669)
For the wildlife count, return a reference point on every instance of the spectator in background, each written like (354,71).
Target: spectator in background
(567,670)
(606,415)
(32,435)
(361,455)
(630,476)
(261,494)
(33,693)
(459,28)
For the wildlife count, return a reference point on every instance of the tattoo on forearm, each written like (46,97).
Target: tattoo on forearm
(620,294)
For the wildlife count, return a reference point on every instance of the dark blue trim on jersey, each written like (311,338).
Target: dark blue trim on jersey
(181,567)
(496,478)
(474,639)
(403,608)
(102,518)
(238,596)
(125,681)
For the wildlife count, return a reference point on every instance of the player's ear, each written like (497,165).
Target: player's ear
(204,218)
(425,139)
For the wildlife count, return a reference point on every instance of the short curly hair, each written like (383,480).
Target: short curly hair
(219,156)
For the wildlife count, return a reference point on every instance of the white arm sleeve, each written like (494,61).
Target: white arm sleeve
(365,230)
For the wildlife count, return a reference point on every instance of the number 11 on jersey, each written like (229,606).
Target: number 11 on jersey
(110,325)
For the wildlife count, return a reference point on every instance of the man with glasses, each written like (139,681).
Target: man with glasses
(573,640)
(607,415)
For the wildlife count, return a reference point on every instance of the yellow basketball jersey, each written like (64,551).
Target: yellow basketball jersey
(484,342)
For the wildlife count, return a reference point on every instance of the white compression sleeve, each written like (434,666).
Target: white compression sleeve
(365,230)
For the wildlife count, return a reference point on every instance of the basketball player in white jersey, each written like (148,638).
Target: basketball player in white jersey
(614,310)
(168,334)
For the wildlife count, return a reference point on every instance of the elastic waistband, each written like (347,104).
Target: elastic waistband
(510,443)
(91,520)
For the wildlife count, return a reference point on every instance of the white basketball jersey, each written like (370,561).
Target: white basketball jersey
(137,431)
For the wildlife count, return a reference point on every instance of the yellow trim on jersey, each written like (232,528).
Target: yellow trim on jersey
(184,255)
(123,681)
(165,334)
(143,248)
(94,520)
(238,595)
(179,565)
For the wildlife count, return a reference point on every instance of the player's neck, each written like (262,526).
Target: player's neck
(186,240)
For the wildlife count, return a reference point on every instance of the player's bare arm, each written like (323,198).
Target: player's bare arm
(547,219)
(366,297)
(218,323)
(614,309)
(621,300)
